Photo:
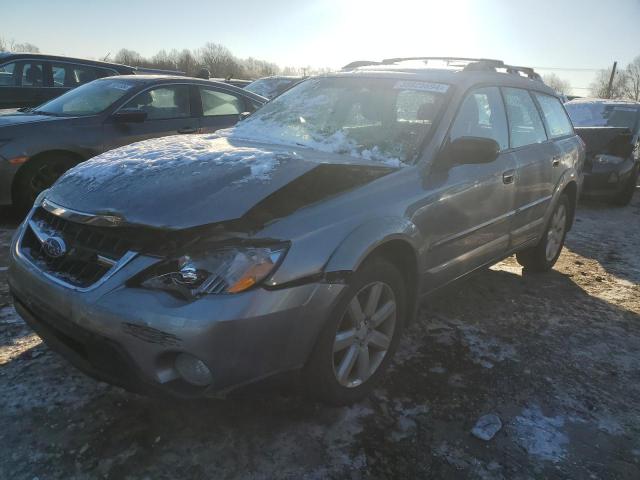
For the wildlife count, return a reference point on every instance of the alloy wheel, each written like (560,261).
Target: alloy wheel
(364,334)
(556,231)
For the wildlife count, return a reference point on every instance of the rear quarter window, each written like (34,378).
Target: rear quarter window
(555,117)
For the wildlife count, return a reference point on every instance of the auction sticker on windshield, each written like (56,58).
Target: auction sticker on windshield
(120,85)
(423,86)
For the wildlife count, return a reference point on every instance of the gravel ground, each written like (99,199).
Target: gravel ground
(553,356)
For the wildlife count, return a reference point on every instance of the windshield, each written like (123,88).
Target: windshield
(376,119)
(602,114)
(88,99)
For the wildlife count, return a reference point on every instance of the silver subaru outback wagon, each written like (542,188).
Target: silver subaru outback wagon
(303,239)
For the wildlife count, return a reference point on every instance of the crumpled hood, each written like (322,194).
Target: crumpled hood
(187,181)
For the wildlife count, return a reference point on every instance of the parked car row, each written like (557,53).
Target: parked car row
(610,131)
(299,241)
(38,145)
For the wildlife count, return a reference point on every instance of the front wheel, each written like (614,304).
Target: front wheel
(38,175)
(362,334)
(544,255)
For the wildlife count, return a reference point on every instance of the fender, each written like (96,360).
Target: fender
(357,246)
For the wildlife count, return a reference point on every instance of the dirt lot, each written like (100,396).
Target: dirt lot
(555,356)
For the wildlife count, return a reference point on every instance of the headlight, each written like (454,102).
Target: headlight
(608,159)
(224,271)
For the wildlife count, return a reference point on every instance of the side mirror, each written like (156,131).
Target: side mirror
(243,115)
(469,150)
(129,116)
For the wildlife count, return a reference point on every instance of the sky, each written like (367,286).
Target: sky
(571,38)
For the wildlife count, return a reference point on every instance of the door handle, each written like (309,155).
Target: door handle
(508,177)
(555,161)
(188,130)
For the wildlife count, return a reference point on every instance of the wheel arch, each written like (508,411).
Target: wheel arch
(394,239)
(571,190)
(75,156)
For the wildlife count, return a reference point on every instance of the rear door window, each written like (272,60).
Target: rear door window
(525,124)
(482,115)
(556,119)
(216,103)
(7,75)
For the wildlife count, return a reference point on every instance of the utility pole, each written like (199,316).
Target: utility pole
(613,72)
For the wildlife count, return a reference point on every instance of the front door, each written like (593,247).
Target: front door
(467,218)
(168,110)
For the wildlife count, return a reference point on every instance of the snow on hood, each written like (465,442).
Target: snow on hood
(150,158)
(186,181)
(179,153)
(338,142)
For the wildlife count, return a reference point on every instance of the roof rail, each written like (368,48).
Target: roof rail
(359,63)
(449,60)
(470,64)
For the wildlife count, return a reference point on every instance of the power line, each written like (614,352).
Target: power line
(571,69)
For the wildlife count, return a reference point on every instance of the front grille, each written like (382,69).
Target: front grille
(90,251)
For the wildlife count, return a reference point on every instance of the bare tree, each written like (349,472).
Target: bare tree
(632,80)
(219,60)
(25,48)
(3,45)
(600,86)
(128,57)
(557,83)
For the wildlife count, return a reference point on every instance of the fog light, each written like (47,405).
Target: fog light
(193,370)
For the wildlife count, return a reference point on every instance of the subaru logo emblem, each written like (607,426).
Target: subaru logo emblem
(54,247)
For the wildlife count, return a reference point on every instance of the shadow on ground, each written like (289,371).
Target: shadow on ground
(557,364)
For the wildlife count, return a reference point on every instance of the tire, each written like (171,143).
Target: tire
(623,198)
(543,256)
(327,375)
(38,175)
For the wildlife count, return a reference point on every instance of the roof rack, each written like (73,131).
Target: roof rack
(359,63)
(467,64)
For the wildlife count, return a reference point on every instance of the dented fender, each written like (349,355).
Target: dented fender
(362,241)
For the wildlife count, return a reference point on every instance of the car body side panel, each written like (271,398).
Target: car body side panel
(534,189)
(465,219)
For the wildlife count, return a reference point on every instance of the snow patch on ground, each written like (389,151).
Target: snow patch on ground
(540,435)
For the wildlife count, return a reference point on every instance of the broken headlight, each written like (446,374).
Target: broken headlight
(224,271)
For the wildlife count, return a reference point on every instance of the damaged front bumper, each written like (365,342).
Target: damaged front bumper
(606,180)
(132,336)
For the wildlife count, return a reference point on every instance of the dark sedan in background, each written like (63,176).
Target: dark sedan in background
(38,145)
(270,87)
(610,130)
(29,79)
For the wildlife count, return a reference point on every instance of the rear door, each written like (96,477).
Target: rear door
(169,112)
(220,108)
(469,224)
(534,155)
(560,131)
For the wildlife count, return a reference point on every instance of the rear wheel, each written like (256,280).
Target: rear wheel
(359,339)
(544,255)
(624,197)
(38,175)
